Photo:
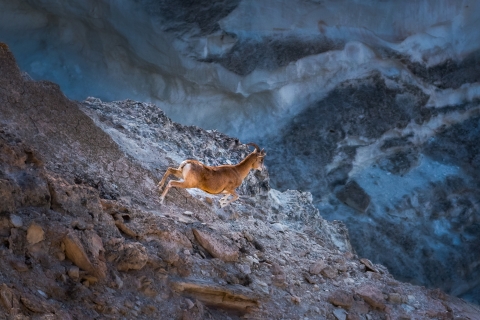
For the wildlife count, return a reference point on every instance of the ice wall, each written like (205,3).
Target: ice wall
(383,93)
(252,63)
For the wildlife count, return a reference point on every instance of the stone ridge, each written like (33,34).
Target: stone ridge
(83,236)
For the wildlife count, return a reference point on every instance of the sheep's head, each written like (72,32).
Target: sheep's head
(259,156)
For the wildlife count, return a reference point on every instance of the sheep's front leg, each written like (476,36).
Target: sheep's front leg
(224,202)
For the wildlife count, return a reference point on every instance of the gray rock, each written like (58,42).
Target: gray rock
(16,221)
(354,196)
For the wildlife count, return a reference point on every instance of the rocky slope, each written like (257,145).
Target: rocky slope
(372,106)
(83,235)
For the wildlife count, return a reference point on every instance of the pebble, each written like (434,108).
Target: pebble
(279,227)
(16,221)
(74,272)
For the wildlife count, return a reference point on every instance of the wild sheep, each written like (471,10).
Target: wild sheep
(214,180)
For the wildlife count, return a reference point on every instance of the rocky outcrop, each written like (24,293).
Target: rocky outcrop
(78,244)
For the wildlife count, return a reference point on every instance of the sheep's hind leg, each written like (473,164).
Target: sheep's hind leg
(173,183)
(176,172)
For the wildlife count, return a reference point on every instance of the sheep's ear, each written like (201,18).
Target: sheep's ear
(263,152)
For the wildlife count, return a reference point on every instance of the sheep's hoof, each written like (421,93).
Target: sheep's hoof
(223,204)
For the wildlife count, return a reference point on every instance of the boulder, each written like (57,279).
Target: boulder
(132,256)
(354,196)
(372,295)
(216,247)
(341,298)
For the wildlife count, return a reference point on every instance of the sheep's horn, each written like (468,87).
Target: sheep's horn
(254,145)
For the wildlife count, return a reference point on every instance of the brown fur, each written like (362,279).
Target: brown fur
(214,180)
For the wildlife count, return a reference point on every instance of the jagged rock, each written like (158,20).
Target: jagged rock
(216,247)
(94,261)
(75,251)
(35,234)
(372,295)
(354,196)
(131,256)
(368,264)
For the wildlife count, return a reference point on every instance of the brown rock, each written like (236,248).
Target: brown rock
(234,297)
(372,295)
(35,234)
(341,298)
(317,267)
(216,247)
